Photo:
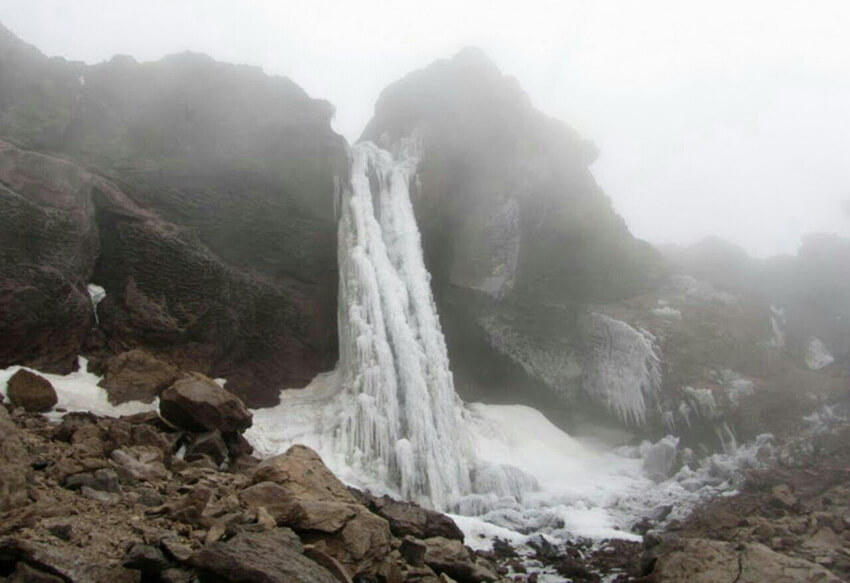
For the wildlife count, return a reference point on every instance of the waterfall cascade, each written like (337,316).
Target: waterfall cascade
(404,418)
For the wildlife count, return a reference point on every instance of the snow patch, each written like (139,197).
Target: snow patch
(78,391)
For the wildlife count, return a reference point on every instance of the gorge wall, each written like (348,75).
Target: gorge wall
(200,195)
(203,197)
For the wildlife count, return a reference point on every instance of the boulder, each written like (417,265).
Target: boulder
(299,491)
(14,465)
(136,375)
(693,560)
(198,404)
(407,518)
(139,462)
(450,557)
(32,392)
(269,557)
(303,475)
(210,444)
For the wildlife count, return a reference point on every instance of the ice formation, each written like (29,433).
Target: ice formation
(97,294)
(405,416)
(817,354)
(624,368)
(777,327)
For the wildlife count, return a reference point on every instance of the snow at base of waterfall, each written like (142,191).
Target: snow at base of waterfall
(560,487)
(78,391)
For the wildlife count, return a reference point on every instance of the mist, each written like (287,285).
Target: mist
(723,119)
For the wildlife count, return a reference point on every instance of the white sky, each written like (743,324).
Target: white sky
(717,117)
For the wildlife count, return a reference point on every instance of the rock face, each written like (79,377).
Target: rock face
(199,404)
(517,234)
(218,250)
(137,376)
(32,392)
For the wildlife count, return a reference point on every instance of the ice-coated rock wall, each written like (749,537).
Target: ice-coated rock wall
(623,371)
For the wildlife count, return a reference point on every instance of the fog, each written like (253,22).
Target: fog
(723,118)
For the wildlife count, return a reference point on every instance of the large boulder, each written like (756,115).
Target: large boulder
(299,491)
(136,375)
(32,392)
(270,557)
(455,560)
(14,465)
(199,404)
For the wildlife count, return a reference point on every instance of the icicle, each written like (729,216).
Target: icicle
(393,354)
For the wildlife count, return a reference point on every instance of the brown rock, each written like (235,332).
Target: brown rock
(198,404)
(26,574)
(688,560)
(137,376)
(301,472)
(332,565)
(139,462)
(413,551)
(32,392)
(14,465)
(210,444)
(268,557)
(455,560)
(407,518)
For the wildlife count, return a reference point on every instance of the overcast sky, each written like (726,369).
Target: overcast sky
(717,117)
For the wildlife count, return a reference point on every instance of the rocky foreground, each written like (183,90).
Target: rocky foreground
(177,497)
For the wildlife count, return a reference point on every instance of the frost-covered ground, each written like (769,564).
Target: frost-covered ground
(579,488)
(78,391)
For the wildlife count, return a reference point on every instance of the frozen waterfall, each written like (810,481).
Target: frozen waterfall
(405,415)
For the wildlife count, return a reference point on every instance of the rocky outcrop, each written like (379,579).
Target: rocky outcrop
(214,235)
(516,232)
(32,392)
(103,499)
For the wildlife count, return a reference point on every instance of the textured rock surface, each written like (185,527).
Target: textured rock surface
(707,561)
(32,392)
(199,404)
(136,375)
(13,465)
(220,257)
(272,557)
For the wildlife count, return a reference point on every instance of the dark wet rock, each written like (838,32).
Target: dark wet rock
(104,480)
(271,557)
(199,404)
(27,574)
(407,518)
(32,392)
(455,560)
(210,444)
(413,551)
(146,558)
(136,375)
